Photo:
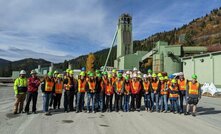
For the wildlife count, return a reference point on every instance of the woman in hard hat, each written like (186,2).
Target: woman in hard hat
(146,92)
(155,89)
(163,95)
(32,95)
(91,89)
(193,95)
(174,95)
(81,92)
(20,88)
(135,93)
(109,90)
(47,87)
(58,91)
(127,92)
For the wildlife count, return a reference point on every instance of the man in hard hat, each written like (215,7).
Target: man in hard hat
(20,88)
(53,94)
(174,95)
(109,90)
(58,91)
(149,72)
(100,93)
(155,89)
(135,93)
(182,83)
(118,90)
(32,94)
(70,86)
(47,88)
(81,86)
(193,94)
(91,90)
(146,92)
(114,76)
(103,85)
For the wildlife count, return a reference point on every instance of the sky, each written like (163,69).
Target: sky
(56,30)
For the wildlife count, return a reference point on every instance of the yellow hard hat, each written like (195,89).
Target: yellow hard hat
(59,76)
(161,78)
(173,81)
(154,75)
(166,78)
(71,72)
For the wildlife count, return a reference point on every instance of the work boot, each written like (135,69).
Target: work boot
(187,113)
(15,112)
(194,114)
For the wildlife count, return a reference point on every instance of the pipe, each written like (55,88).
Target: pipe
(194,49)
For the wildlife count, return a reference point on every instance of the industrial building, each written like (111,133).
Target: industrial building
(164,57)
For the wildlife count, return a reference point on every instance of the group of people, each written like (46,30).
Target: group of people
(101,87)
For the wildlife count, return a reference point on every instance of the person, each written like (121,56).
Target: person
(47,88)
(163,95)
(103,85)
(135,93)
(70,86)
(109,90)
(81,92)
(118,90)
(182,82)
(32,95)
(100,93)
(193,93)
(155,88)
(55,74)
(127,92)
(91,89)
(114,76)
(58,91)
(174,94)
(20,89)
(146,92)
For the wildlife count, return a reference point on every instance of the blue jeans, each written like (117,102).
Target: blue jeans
(80,101)
(90,97)
(174,104)
(101,102)
(163,102)
(147,100)
(46,98)
(126,103)
(156,98)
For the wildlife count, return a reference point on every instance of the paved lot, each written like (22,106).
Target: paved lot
(208,120)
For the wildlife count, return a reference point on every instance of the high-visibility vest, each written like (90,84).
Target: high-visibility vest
(163,90)
(58,88)
(49,86)
(113,79)
(92,86)
(182,84)
(69,85)
(146,86)
(135,85)
(109,89)
(119,85)
(127,87)
(173,95)
(155,85)
(193,88)
(81,86)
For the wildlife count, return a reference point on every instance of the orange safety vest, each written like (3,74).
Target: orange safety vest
(113,79)
(182,84)
(109,89)
(81,86)
(174,95)
(127,87)
(49,86)
(155,85)
(92,86)
(135,85)
(119,85)
(146,86)
(58,88)
(163,90)
(193,88)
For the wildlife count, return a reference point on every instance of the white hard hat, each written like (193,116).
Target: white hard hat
(134,75)
(149,75)
(22,72)
(181,73)
(145,76)
(33,72)
(128,72)
(135,69)
(138,72)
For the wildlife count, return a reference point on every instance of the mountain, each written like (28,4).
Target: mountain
(26,64)
(3,62)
